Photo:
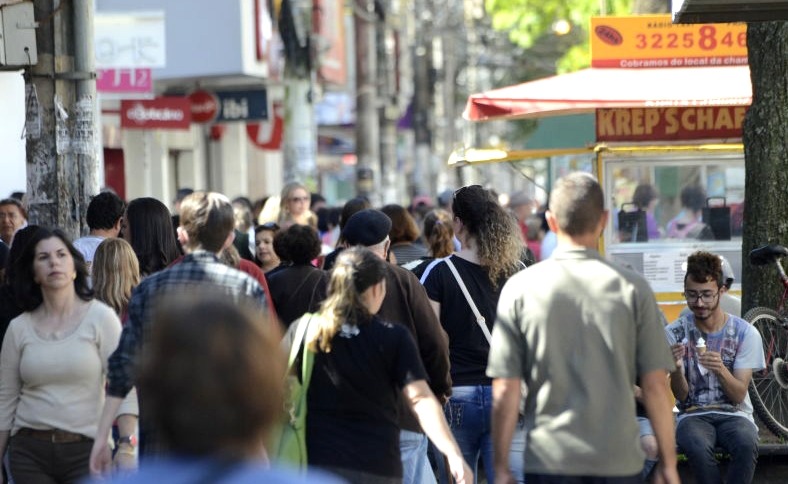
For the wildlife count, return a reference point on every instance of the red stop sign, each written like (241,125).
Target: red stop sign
(205,106)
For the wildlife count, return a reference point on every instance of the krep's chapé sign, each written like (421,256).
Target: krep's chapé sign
(669,124)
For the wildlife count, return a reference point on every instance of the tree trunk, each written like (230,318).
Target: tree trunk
(766,155)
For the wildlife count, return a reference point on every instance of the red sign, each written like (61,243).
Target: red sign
(136,81)
(328,25)
(667,124)
(159,113)
(204,106)
(267,135)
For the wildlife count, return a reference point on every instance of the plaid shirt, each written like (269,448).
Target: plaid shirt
(199,267)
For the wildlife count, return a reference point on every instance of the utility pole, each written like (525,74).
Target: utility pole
(422,58)
(299,143)
(389,107)
(62,163)
(367,124)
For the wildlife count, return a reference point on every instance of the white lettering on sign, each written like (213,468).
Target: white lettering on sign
(235,109)
(140,114)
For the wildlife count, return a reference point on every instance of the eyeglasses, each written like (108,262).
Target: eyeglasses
(705,296)
(299,199)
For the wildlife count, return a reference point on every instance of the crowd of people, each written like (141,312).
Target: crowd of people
(154,347)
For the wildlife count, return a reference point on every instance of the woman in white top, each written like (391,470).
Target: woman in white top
(53,365)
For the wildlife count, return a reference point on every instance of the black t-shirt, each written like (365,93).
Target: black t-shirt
(468,348)
(352,399)
(297,289)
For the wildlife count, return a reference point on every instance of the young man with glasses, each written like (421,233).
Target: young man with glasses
(715,355)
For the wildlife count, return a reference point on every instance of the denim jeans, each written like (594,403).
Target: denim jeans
(416,467)
(699,434)
(469,414)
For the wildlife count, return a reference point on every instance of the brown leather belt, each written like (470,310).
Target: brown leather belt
(56,436)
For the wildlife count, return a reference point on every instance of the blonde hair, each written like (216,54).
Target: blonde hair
(356,269)
(116,271)
(285,217)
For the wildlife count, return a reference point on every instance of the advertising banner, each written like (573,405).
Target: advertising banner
(669,124)
(159,113)
(215,107)
(124,81)
(654,41)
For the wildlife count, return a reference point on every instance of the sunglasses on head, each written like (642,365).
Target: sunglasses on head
(270,226)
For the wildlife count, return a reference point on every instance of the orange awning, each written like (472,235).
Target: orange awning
(592,88)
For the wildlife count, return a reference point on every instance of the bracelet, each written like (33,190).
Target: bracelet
(127,452)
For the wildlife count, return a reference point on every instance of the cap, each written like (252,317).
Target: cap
(519,198)
(421,200)
(367,227)
(444,197)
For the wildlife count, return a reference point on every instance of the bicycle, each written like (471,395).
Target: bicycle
(769,387)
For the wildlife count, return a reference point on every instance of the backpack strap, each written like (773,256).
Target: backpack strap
(428,269)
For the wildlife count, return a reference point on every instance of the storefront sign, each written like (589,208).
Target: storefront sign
(126,40)
(229,106)
(159,113)
(664,124)
(267,135)
(654,41)
(204,106)
(135,81)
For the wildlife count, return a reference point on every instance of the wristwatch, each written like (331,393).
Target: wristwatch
(130,440)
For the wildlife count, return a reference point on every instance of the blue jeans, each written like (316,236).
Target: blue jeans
(699,434)
(469,414)
(416,467)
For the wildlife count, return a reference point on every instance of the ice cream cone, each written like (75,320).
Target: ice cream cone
(700,345)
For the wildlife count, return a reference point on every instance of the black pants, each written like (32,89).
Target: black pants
(559,479)
(34,461)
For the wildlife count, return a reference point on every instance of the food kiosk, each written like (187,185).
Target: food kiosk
(669,103)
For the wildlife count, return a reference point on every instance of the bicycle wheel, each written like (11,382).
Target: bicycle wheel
(769,400)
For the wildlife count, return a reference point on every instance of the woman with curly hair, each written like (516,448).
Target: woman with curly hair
(363,366)
(298,287)
(490,254)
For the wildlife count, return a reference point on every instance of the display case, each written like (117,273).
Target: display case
(667,202)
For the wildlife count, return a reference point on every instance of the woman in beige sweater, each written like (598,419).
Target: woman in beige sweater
(53,365)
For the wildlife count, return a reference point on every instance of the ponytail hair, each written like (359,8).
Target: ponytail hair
(439,233)
(356,269)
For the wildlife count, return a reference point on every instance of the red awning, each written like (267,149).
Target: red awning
(588,89)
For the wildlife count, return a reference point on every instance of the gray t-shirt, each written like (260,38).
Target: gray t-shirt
(578,330)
